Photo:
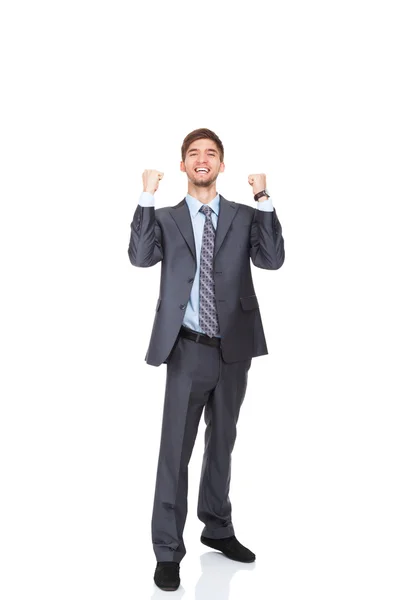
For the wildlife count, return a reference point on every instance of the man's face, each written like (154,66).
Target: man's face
(202,163)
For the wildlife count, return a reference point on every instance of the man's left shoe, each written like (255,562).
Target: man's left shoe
(231,547)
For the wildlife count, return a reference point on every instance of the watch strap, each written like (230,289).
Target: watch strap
(260,194)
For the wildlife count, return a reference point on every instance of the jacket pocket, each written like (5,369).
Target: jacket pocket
(249,302)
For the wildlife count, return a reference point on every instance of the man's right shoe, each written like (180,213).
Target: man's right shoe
(231,547)
(166,576)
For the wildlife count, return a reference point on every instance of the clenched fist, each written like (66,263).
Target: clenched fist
(151,179)
(258,182)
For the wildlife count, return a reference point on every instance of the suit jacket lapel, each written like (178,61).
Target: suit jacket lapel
(181,215)
(227,212)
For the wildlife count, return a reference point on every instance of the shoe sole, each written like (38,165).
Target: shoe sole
(167,588)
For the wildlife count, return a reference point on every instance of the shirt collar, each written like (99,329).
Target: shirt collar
(194,205)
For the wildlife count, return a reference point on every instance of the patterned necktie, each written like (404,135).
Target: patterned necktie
(208,318)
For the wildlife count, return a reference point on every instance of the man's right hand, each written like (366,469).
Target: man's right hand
(151,180)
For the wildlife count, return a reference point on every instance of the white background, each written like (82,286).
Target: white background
(314,94)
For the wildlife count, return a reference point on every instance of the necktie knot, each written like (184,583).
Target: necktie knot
(207,210)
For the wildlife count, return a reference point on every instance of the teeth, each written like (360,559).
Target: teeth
(205,170)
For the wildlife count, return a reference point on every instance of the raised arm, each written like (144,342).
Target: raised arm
(145,246)
(267,249)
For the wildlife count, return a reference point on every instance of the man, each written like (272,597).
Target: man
(206,329)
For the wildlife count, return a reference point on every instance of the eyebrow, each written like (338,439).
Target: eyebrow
(208,150)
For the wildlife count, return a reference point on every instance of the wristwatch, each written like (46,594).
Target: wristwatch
(260,194)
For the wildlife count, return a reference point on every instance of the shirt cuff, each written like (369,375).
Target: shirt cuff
(266,205)
(146,199)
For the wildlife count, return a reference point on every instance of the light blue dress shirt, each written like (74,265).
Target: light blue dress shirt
(191,315)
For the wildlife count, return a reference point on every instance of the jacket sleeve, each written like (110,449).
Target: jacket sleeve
(145,246)
(267,248)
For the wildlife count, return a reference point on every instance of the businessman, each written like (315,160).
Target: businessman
(207,329)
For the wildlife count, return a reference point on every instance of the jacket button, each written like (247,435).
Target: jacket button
(183,306)
(191,280)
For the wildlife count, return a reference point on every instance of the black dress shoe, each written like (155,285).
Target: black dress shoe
(166,575)
(231,547)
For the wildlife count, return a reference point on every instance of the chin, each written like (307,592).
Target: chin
(201,183)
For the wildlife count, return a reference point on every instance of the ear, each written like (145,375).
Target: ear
(182,167)
(222,167)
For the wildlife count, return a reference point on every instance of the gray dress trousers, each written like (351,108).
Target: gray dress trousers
(197,378)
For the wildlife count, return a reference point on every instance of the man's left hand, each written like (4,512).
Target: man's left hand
(258,182)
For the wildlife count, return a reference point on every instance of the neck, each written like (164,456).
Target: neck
(203,194)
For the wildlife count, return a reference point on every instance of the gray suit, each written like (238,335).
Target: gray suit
(201,376)
(166,235)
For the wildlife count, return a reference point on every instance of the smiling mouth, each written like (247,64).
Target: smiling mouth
(201,171)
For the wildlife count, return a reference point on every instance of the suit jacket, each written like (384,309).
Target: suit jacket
(243,234)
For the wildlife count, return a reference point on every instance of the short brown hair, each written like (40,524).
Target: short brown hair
(199,134)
